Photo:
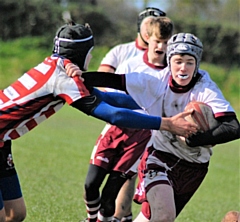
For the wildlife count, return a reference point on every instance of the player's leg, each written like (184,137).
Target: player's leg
(145,214)
(2,209)
(109,195)
(15,210)
(134,146)
(161,200)
(2,215)
(14,205)
(94,179)
(124,200)
(100,164)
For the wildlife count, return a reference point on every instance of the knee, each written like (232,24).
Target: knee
(90,186)
(107,208)
(91,191)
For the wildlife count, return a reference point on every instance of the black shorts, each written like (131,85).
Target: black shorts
(9,184)
(7,167)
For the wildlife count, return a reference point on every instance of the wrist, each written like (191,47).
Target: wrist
(164,125)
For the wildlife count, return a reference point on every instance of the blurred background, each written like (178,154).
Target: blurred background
(28,27)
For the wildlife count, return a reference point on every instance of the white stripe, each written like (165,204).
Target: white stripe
(42,68)
(11,93)
(74,40)
(27,81)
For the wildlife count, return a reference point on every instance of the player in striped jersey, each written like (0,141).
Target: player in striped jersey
(43,90)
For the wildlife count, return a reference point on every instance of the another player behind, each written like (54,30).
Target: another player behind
(115,57)
(122,52)
(153,60)
(118,149)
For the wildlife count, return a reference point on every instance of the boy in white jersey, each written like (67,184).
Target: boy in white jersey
(117,146)
(169,172)
(122,52)
(40,93)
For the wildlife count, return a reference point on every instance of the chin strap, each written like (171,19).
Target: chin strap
(143,39)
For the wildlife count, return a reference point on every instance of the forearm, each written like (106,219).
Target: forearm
(104,79)
(125,118)
(116,99)
(122,117)
(227,131)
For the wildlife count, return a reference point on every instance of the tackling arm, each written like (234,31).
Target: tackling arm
(104,79)
(97,107)
(116,99)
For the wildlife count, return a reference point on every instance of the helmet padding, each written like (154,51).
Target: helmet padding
(185,43)
(74,42)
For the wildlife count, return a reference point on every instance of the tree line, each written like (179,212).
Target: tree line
(215,22)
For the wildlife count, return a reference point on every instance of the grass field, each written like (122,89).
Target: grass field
(52,161)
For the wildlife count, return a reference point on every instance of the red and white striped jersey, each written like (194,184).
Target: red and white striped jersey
(37,95)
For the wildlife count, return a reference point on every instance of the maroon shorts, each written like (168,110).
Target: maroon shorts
(184,177)
(119,149)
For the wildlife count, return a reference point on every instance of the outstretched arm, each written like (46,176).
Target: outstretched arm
(97,79)
(97,107)
(104,79)
(123,117)
(116,99)
(130,119)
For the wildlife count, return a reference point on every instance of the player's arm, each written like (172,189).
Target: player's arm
(123,117)
(97,79)
(226,131)
(103,79)
(116,99)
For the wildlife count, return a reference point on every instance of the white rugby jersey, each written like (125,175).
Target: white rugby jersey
(138,64)
(35,96)
(154,94)
(121,53)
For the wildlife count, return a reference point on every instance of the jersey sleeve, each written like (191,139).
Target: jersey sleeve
(208,92)
(111,58)
(69,89)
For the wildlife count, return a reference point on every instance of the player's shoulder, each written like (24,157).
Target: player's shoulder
(138,58)
(124,46)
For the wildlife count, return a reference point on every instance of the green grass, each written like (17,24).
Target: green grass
(52,162)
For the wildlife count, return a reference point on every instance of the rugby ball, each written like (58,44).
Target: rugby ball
(202,115)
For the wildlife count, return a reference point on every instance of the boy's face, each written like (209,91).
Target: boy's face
(157,49)
(182,68)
